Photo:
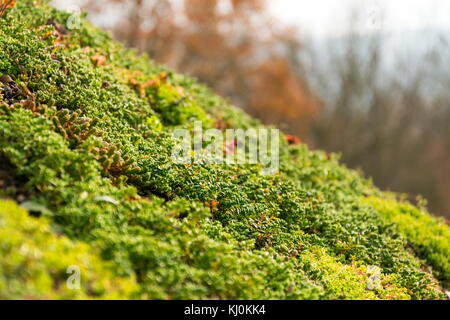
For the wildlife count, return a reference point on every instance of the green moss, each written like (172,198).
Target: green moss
(427,236)
(35,263)
(88,136)
(352,281)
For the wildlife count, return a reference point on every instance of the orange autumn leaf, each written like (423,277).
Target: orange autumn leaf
(213,204)
(6,4)
(156,82)
(99,60)
(292,140)
(150,83)
(139,87)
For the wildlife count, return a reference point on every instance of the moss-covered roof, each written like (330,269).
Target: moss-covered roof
(86,145)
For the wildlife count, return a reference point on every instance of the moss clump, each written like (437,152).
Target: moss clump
(35,262)
(85,132)
(428,237)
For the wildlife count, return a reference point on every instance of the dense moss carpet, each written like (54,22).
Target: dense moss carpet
(88,179)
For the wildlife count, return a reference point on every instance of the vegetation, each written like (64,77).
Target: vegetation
(34,262)
(383,103)
(85,147)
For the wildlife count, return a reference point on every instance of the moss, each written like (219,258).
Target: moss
(351,281)
(86,133)
(427,236)
(35,262)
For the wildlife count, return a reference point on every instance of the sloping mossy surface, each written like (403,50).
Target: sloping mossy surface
(85,147)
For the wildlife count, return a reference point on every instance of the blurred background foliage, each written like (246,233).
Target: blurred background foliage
(387,114)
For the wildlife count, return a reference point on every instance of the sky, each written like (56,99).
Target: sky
(330,17)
